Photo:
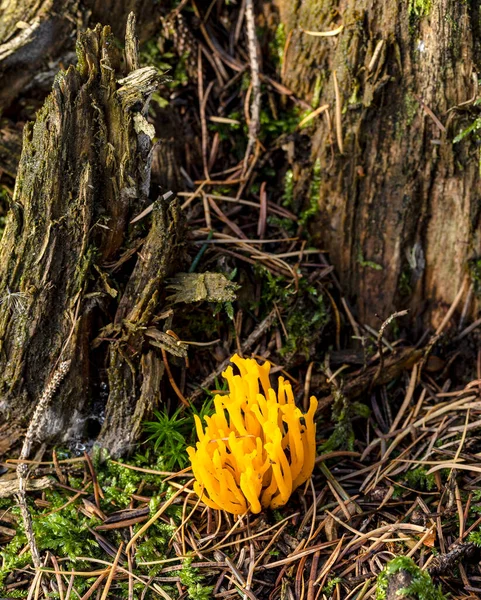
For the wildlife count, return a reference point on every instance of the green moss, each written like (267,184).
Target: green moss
(82,66)
(368,263)
(318,85)
(83,268)
(312,207)
(305,313)
(473,129)
(474,266)
(411,108)
(404,284)
(301,324)
(418,479)
(174,67)
(314,191)
(343,413)
(4,206)
(330,586)
(64,533)
(68,532)
(288,195)
(225,131)
(150,55)
(274,125)
(278,44)
(355,97)
(418,9)
(193,581)
(475,538)
(421,586)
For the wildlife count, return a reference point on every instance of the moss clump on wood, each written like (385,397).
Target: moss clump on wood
(419,583)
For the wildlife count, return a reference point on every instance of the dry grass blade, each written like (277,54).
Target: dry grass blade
(161,510)
(105,593)
(329,33)
(338,113)
(313,115)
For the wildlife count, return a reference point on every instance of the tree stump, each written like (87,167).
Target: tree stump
(30,33)
(399,201)
(71,264)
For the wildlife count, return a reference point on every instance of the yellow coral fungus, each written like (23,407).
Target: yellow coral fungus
(257,447)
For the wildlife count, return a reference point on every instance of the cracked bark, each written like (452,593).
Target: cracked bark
(399,210)
(84,173)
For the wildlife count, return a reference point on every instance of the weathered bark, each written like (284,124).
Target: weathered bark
(399,203)
(134,376)
(83,174)
(397,583)
(35,32)
(31,33)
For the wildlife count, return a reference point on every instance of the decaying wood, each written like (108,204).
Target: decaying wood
(134,377)
(84,174)
(397,582)
(10,488)
(399,208)
(31,34)
(445,563)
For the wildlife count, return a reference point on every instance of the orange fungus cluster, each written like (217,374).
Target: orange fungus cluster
(257,447)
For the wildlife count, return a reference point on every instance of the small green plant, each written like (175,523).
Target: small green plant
(193,581)
(168,435)
(343,412)
(171,434)
(421,586)
(330,586)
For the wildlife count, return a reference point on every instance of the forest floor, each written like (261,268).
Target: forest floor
(397,470)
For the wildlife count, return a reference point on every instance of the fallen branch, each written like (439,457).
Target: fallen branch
(10,488)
